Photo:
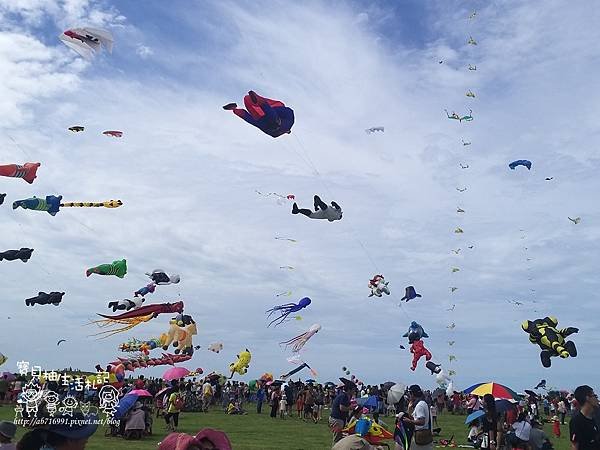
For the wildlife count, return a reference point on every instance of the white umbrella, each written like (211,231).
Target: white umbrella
(395,393)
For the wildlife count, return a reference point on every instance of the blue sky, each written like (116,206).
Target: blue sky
(187,172)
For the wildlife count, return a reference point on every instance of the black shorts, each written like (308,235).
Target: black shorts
(308,408)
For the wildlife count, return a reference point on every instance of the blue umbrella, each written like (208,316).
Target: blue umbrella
(503,405)
(475,415)
(367,402)
(125,404)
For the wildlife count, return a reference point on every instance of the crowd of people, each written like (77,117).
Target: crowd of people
(495,425)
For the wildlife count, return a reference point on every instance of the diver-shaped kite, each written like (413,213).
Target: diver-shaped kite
(159,277)
(470,67)
(76,129)
(471,41)
(126,304)
(117,268)
(45,299)
(455,116)
(378,286)
(27,171)
(410,294)
(576,220)
(322,211)
(460,210)
(270,116)
(455,269)
(148,289)
(52,204)
(470,94)
(285,310)
(12,255)
(551,340)
(464,166)
(465,143)
(459,230)
(457,251)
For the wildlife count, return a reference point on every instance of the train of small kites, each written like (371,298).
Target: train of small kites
(275,119)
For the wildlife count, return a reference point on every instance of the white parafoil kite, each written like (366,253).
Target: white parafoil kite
(87,41)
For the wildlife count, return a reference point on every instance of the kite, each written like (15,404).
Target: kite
(378,285)
(148,289)
(299,341)
(3,359)
(113,133)
(455,269)
(61,340)
(452,289)
(181,331)
(270,116)
(153,310)
(455,116)
(134,345)
(417,348)
(551,340)
(369,430)
(451,358)
(576,220)
(298,369)
(549,178)
(466,166)
(374,129)
(541,384)
(128,323)
(458,230)
(158,276)
(470,94)
(216,347)
(470,246)
(451,309)
(514,302)
(131,364)
(461,190)
(470,67)
(279,238)
(27,171)
(76,129)
(465,143)
(322,211)
(45,299)
(286,310)
(87,41)
(460,210)
(117,268)
(242,363)
(452,326)
(451,343)
(410,294)
(520,162)
(473,14)
(12,255)
(286,294)
(415,332)
(126,304)
(287,267)
(2,197)
(456,252)
(281,199)
(471,41)
(435,368)
(52,204)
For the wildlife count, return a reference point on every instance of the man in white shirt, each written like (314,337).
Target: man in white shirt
(420,418)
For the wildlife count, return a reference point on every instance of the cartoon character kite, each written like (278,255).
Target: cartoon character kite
(42,298)
(551,340)
(158,276)
(117,268)
(410,294)
(27,171)
(12,255)
(322,211)
(242,363)
(378,286)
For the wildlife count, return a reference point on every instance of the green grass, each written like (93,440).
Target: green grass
(255,431)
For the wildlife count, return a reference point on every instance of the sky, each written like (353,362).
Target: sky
(187,173)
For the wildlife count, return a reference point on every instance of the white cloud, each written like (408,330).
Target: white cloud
(144,51)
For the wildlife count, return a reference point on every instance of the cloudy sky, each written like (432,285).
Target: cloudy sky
(188,173)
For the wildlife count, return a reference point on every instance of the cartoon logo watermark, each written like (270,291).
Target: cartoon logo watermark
(39,405)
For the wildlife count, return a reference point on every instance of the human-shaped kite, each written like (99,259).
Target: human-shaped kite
(148,289)
(45,299)
(126,304)
(159,276)
(116,268)
(410,294)
(378,286)
(270,116)
(12,255)
(299,341)
(286,309)
(322,211)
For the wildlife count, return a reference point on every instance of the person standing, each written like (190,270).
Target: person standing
(422,437)
(583,429)
(260,398)
(274,401)
(562,410)
(207,394)
(174,406)
(339,411)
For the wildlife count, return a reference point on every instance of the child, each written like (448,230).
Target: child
(433,413)
(282,406)
(474,431)
(556,426)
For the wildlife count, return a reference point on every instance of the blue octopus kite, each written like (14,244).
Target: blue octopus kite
(286,309)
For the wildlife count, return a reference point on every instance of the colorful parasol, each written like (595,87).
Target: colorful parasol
(497,390)
(175,373)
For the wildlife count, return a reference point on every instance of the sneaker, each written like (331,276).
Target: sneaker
(294,208)
(230,106)
(253,97)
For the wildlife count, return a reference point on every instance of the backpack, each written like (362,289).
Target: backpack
(179,403)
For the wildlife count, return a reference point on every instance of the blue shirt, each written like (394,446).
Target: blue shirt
(341,399)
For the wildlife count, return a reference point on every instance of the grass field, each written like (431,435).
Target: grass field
(255,431)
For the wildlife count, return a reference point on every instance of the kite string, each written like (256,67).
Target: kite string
(309,162)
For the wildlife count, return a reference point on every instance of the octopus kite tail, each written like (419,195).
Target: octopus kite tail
(128,325)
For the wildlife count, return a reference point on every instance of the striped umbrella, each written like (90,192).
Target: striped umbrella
(497,390)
